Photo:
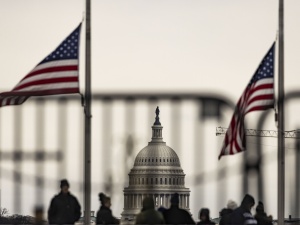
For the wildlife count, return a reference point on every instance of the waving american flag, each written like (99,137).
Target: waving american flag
(258,95)
(56,74)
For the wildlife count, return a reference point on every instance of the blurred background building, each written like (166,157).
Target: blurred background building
(43,143)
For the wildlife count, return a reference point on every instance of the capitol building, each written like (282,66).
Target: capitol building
(156,172)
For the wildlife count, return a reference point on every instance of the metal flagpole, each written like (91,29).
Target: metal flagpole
(87,110)
(281,150)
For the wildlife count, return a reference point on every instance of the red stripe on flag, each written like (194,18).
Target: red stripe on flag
(51,70)
(48,81)
(259,108)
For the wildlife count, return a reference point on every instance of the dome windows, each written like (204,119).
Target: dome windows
(162,161)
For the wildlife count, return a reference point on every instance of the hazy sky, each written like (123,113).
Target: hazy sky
(193,45)
(170,45)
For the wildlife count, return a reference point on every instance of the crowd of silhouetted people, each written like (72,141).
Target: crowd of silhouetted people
(65,209)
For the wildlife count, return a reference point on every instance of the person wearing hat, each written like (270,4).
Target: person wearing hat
(64,207)
(175,215)
(242,215)
(204,217)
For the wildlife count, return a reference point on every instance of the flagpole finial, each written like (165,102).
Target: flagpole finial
(157,122)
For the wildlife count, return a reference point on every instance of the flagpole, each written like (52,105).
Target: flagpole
(87,113)
(281,150)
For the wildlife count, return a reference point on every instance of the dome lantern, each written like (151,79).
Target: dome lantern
(157,128)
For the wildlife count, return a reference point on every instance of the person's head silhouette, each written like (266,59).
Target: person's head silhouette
(248,202)
(105,200)
(175,199)
(64,186)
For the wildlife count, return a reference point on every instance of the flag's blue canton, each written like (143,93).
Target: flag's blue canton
(68,49)
(265,69)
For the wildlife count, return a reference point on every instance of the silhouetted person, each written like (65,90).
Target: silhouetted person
(175,215)
(242,215)
(148,214)
(161,209)
(64,207)
(261,216)
(204,217)
(226,212)
(104,214)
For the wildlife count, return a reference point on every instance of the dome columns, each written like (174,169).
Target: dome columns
(157,133)
(135,201)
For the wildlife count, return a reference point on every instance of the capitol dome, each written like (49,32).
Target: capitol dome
(157,155)
(157,173)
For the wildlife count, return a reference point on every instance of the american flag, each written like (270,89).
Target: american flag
(56,74)
(258,95)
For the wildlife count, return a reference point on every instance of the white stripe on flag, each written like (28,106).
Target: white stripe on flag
(4,101)
(261,92)
(259,103)
(264,81)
